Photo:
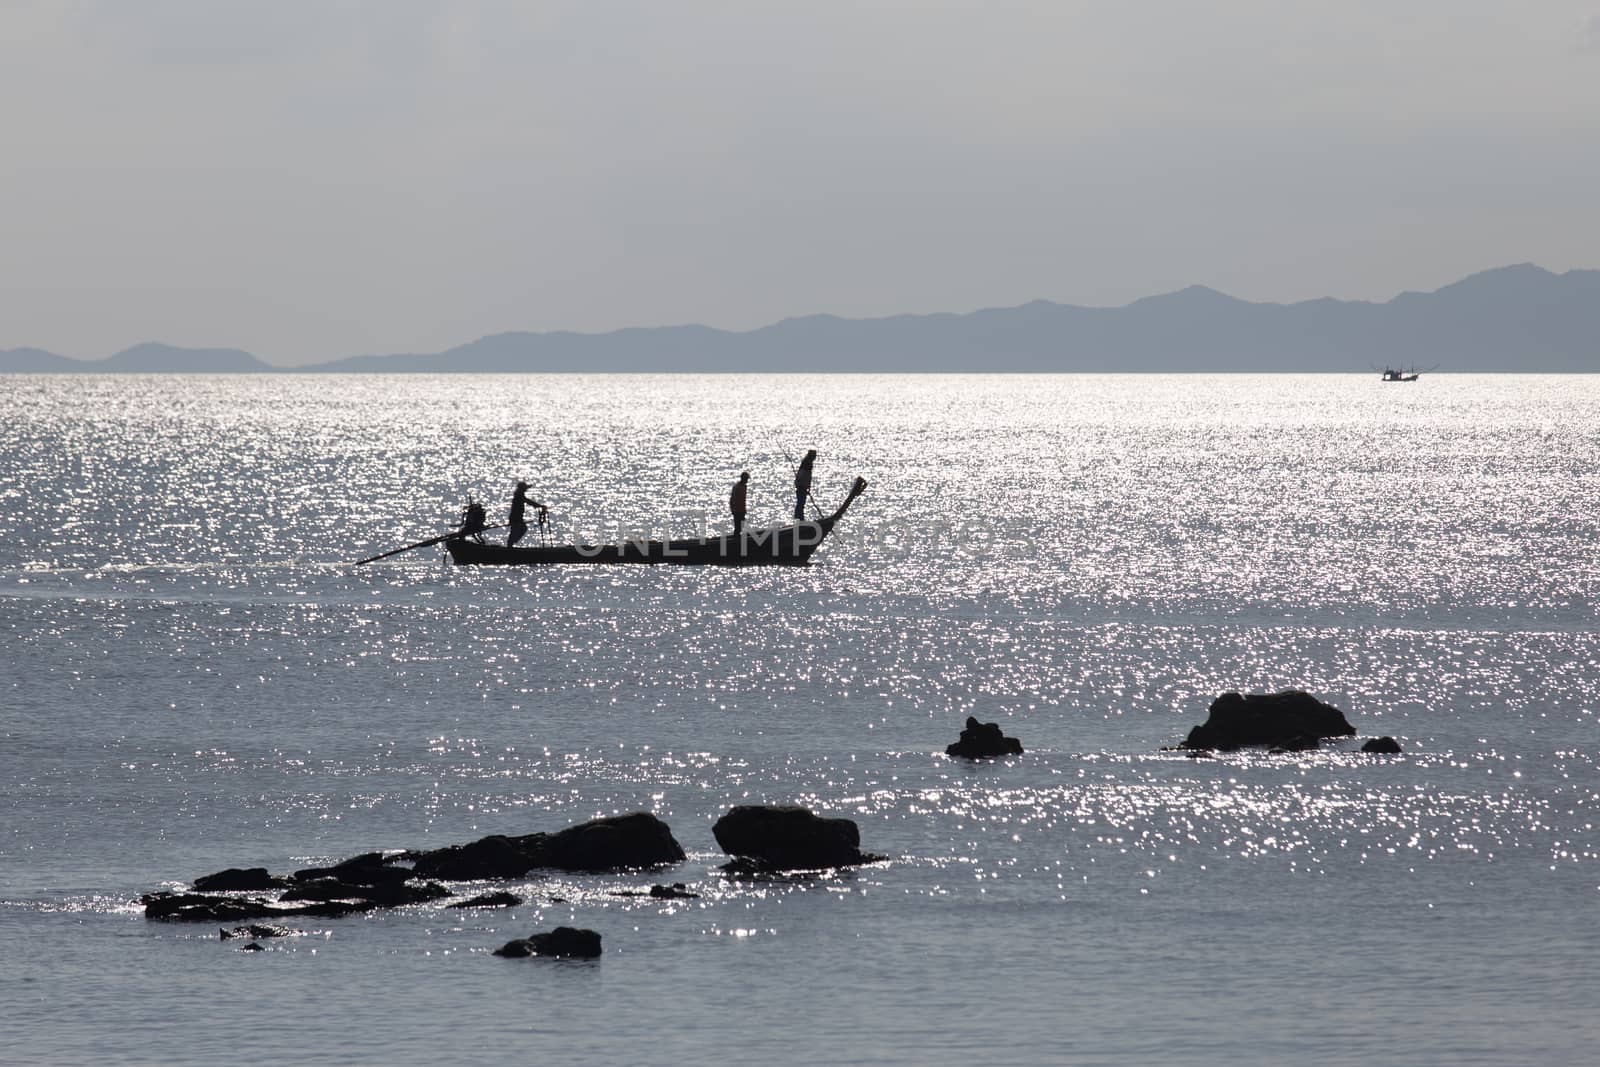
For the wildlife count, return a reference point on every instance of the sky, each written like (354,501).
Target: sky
(310,180)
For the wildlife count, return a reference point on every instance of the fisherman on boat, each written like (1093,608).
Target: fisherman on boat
(518,523)
(473,520)
(736,501)
(802,485)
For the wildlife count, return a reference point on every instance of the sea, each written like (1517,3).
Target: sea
(196,676)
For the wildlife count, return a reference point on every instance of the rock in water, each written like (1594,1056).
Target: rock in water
(201,908)
(1382,746)
(619,842)
(495,856)
(236,879)
(564,942)
(1290,720)
(789,838)
(489,900)
(675,891)
(258,931)
(983,740)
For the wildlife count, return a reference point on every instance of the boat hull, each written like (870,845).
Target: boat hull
(786,546)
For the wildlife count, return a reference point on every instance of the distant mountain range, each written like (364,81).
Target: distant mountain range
(1520,318)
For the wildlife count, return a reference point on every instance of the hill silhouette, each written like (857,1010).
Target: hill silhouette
(1517,318)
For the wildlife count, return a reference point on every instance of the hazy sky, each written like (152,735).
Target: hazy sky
(318,179)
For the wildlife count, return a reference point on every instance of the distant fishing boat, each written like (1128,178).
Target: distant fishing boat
(790,545)
(1395,374)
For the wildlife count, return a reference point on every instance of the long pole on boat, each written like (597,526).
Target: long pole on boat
(423,544)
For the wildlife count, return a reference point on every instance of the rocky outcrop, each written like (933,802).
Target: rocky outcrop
(983,740)
(369,868)
(789,838)
(621,842)
(391,880)
(380,895)
(209,908)
(205,908)
(1290,721)
(239,880)
(1382,746)
(564,942)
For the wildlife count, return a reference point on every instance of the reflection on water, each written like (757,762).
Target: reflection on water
(196,678)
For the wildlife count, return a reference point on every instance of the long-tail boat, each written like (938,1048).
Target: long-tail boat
(790,545)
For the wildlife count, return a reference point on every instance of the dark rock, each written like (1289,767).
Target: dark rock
(383,895)
(235,879)
(675,891)
(496,856)
(1276,720)
(399,896)
(329,909)
(367,869)
(489,900)
(564,942)
(789,838)
(983,740)
(619,842)
(258,930)
(1300,743)
(252,947)
(202,908)
(1382,746)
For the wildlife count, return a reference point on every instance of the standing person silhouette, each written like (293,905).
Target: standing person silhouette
(737,499)
(518,522)
(802,485)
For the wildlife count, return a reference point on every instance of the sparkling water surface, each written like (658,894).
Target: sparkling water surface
(196,677)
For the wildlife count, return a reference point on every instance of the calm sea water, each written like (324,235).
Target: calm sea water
(195,677)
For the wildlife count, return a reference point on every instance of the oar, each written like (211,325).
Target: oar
(423,544)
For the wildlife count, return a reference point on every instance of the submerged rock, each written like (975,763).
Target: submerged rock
(489,900)
(983,740)
(675,891)
(783,838)
(258,930)
(564,942)
(1291,720)
(1382,746)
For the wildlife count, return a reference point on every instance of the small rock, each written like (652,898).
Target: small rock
(983,740)
(1382,746)
(258,930)
(252,947)
(675,891)
(564,942)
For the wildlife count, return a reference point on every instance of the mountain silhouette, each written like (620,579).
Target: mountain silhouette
(1517,318)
